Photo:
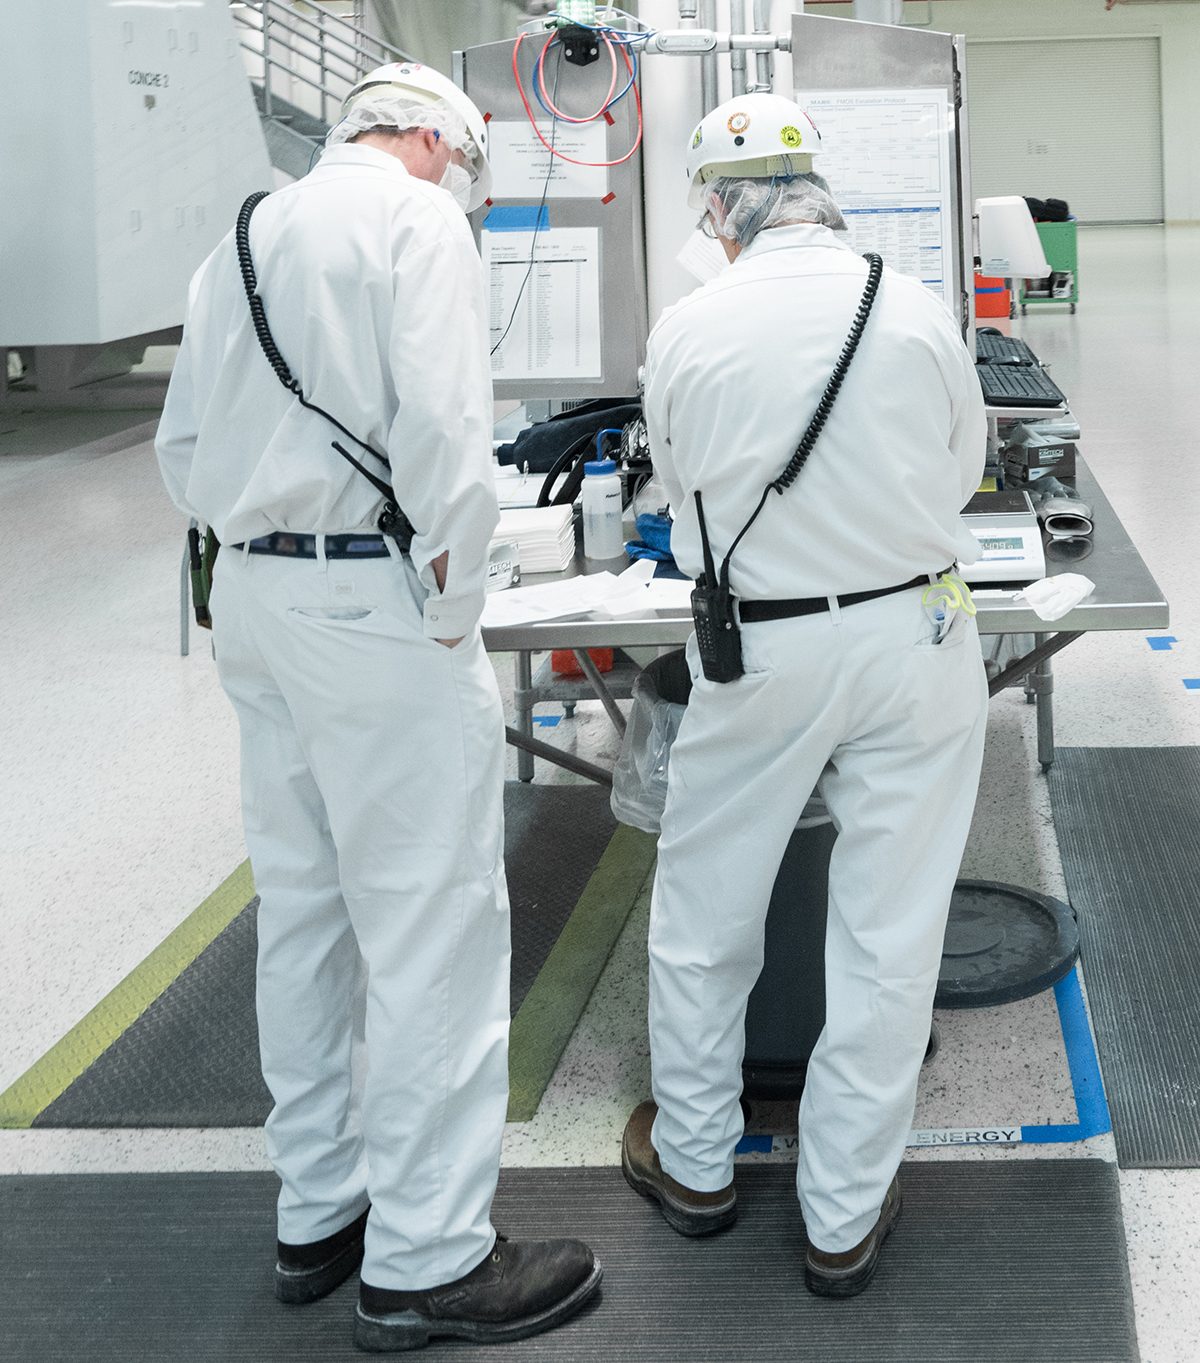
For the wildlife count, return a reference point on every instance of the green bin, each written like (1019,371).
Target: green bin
(1060,243)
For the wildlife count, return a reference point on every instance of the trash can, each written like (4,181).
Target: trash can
(786,1011)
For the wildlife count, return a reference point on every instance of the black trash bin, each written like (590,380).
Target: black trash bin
(786,1011)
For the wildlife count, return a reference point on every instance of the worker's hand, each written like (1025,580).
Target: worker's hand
(450,643)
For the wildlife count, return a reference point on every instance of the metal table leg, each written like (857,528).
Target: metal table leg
(1043,687)
(596,681)
(523,699)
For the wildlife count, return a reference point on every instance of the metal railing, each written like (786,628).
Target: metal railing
(308,43)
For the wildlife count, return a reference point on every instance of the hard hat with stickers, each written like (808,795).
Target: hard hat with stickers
(758,136)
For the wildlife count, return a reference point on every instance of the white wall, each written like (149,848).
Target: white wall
(1178,25)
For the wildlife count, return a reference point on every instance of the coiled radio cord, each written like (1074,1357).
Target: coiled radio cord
(392,521)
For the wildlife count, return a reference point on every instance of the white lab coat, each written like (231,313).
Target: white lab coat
(858,702)
(734,373)
(374,293)
(372,756)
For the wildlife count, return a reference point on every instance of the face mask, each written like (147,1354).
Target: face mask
(456,181)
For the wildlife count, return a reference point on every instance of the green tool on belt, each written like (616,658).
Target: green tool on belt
(202,559)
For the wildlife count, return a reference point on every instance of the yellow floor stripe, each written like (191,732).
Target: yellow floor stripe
(58,1069)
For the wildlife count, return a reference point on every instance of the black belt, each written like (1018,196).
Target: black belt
(289,545)
(753,612)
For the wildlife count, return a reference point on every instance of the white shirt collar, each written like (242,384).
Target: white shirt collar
(795,234)
(351,154)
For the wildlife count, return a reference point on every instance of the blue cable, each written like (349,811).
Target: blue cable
(608,430)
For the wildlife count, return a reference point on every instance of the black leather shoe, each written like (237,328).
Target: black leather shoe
(305,1273)
(520,1289)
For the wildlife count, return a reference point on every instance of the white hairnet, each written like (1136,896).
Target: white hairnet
(751,206)
(391,111)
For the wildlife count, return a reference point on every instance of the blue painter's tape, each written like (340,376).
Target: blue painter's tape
(547,721)
(518,218)
(1192,683)
(1162,644)
(1091,1106)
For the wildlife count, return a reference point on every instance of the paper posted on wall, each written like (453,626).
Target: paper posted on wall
(886,155)
(544,300)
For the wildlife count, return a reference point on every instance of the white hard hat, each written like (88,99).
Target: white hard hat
(424,85)
(756,136)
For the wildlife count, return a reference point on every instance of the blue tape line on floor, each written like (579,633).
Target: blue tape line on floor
(1192,683)
(1162,644)
(547,721)
(1091,1106)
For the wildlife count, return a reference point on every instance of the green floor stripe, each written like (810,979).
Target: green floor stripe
(557,998)
(39,1086)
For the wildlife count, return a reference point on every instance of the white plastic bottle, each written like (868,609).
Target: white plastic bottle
(603,537)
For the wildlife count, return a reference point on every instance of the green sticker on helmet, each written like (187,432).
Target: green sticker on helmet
(697,139)
(791,137)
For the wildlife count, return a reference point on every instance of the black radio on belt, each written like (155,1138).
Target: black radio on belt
(714,614)
(714,607)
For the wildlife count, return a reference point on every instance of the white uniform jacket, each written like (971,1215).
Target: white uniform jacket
(734,373)
(374,293)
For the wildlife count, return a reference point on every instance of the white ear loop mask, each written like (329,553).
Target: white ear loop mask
(456,181)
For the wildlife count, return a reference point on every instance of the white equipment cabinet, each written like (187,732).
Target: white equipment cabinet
(131,138)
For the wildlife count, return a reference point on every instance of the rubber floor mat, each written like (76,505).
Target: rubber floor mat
(991,1262)
(1128,824)
(191,1059)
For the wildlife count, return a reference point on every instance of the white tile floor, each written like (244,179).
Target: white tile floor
(119,792)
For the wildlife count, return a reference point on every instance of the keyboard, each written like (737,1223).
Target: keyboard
(1006,349)
(1018,385)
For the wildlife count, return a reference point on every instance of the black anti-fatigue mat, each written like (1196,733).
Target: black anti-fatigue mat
(992,1262)
(1128,824)
(191,1059)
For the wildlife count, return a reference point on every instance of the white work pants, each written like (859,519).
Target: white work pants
(372,786)
(889,727)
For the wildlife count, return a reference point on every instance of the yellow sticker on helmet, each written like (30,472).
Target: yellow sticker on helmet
(699,137)
(738,123)
(791,137)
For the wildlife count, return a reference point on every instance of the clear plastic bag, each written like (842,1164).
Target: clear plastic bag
(639,793)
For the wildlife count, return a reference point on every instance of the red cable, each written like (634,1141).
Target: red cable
(637,95)
(540,77)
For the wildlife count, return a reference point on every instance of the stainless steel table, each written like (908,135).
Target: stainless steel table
(1126,597)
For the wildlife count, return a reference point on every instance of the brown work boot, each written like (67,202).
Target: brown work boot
(846,1275)
(688,1212)
(520,1289)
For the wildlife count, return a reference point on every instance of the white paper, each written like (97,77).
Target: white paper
(886,155)
(519,161)
(514,488)
(547,601)
(555,332)
(602,594)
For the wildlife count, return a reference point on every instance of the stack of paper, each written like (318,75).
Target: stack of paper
(544,536)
